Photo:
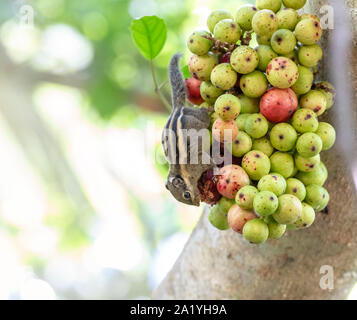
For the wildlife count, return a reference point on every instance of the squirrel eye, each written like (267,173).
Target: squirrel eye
(187,195)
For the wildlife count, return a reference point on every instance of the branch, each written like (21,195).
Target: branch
(32,76)
(157,88)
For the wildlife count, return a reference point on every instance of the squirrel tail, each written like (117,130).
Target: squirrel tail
(178,85)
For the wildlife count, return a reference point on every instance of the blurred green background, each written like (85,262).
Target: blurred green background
(84,213)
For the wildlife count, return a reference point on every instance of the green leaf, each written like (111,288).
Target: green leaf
(186,72)
(149,34)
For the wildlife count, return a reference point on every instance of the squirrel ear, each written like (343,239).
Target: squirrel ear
(176,181)
(178,85)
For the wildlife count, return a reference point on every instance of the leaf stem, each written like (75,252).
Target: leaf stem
(157,88)
(163,84)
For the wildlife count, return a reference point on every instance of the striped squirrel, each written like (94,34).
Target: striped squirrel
(184,174)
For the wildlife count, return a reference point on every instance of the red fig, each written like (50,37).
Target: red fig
(278,105)
(193,91)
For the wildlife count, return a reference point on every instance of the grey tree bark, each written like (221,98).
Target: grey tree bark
(222,265)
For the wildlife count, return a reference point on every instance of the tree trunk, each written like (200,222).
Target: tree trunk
(222,265)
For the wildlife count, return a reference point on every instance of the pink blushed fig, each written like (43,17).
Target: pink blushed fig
(238,217)
(231,179)
(224,131)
